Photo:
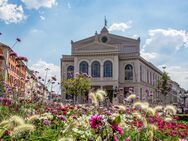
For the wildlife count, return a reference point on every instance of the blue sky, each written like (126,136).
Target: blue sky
(47,27)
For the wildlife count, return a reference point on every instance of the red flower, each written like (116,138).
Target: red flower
(137,123)
(183,134)
(8,132)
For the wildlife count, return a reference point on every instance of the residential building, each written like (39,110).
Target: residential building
(12,68)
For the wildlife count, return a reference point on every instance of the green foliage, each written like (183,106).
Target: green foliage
(183,117)
(117,120)
(164,84)
(78,85)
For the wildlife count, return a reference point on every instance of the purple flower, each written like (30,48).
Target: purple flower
(117,129)
(61,117)
(46,122)
(18,39)
(95,121)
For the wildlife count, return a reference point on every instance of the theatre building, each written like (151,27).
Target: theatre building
(113,62)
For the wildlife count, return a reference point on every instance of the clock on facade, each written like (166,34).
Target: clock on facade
(104,39)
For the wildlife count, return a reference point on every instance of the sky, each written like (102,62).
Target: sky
(46,28)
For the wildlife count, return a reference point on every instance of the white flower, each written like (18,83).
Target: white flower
(137,104)
(170,109)
(151,111)
(130,97)
(100,94)
(168,119)
(158,108)
(22,129)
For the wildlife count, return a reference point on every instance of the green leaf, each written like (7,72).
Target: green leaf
(117,120)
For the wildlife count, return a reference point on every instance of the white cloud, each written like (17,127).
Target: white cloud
(166,40)
(11,13)
(163,45)
(54,70)
(120,26)
(168,46)
(148,56)
(42,18)
(179,74)
(36,4)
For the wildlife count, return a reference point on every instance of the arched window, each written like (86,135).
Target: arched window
(128,72)
(95,69)
(70,72)
(84,67)
(107,69)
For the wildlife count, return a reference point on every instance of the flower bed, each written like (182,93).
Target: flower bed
(26,120)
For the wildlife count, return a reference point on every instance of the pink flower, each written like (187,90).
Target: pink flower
(127,139)
(95,121)
(117,129)
(115,138)
(182,140)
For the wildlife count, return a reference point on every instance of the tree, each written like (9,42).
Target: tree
(78,85)
(164,85)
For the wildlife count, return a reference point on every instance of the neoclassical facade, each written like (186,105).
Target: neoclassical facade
(112,61)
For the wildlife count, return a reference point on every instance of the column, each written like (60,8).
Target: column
(89,69)
(101,71)
(115,68)
(76,66)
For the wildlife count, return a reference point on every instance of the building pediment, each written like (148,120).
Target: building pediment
(116,39)
(95,47)
(106,42)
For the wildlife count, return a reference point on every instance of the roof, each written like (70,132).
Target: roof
(150,64)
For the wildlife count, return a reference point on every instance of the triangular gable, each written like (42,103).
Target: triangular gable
(96,47)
